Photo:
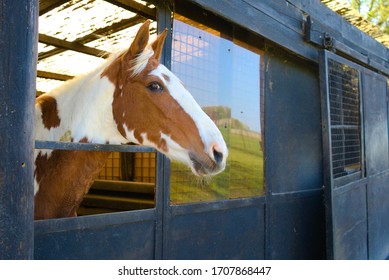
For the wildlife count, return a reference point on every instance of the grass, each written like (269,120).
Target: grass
(243,176)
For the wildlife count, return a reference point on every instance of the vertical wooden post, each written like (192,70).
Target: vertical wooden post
(164,18)
(18,58)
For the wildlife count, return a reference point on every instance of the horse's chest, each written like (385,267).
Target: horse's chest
(62,178)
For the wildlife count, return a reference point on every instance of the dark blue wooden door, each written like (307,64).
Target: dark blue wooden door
(356,159)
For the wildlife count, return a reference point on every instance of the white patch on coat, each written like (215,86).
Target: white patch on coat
(130,135)
(85,109)
(175,151)
(208,131)
(36,186)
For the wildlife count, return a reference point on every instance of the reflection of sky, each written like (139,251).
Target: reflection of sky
(218,72)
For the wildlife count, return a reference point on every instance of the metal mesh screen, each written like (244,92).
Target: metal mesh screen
(145,167)
(137,167)
(111,170)
(344,100)
(219,72)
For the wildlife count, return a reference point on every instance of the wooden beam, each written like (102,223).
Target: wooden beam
(135,7)
(123,187)
(115,202)
(115,27)
(74,46)
(46,6)
(53,76)
(18,46)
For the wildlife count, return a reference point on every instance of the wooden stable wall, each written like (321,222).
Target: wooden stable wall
(289,222)
(295,34)
(300,27)
(18,48)
(295,209)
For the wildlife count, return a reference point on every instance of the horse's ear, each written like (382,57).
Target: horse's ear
(158,44)
(140,41)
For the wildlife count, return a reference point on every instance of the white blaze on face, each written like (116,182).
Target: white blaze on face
(208,131)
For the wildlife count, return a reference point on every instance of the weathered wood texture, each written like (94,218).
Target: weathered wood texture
(285,23)
(18,48)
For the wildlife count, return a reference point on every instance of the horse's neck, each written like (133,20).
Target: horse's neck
(79,111)
(65,177)
(84,112)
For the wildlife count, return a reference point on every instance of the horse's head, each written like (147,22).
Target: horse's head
(152,107)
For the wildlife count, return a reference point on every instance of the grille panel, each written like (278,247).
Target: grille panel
(344,101)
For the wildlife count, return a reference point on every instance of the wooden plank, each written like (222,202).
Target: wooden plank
(124,235)
(350,229)
(215,234)
(378,209)
(345,33)
(74,46)
(353,50)
(119,203)
(86,211)
(281,11)
(110,29)
(18,46)
(261,21)
(54,76)
(46,6)
(121,241)
(123,186)
(115,27)
(135,8)
(375,113)
(278,21)
(43,227)
(287,233)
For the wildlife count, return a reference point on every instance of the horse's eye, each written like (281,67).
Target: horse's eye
(155,87)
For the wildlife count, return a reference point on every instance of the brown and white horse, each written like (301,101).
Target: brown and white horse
(130,98)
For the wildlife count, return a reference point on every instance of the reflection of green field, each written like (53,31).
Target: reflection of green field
(243,176)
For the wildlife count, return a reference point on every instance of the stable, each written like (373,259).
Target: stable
(299,94)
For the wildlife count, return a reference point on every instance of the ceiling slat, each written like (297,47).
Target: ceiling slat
(113,28)
(54,76)
(74,46)
(135,8)
(46,6)
(143,12)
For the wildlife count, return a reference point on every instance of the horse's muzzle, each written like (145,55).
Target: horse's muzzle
(205,165)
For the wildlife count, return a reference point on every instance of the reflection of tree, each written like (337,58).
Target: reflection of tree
(218,112)
(221,115)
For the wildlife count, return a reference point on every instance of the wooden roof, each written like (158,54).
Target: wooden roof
(75,36)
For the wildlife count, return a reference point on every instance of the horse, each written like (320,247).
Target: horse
(130,98)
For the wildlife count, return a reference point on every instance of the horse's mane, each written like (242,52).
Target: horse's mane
(140,61)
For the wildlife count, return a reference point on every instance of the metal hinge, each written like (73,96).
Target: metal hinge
(328,41)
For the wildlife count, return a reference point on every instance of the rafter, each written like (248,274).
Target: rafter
(53,76)
(74,46)
(135,8)
(113,28)
(46,6)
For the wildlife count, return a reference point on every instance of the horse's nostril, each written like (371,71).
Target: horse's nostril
(218,156)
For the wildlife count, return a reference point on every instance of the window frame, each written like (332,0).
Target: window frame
(244,39)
